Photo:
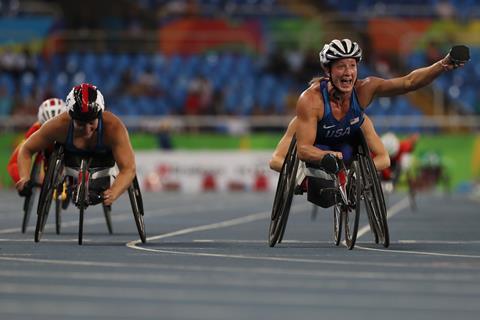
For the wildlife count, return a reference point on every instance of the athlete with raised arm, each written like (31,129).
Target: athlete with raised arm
(330,111)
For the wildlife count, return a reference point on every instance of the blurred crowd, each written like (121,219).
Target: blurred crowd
(229,81)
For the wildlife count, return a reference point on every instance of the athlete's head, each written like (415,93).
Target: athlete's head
(85,102)
(339,60)
(50,108)
(391,143)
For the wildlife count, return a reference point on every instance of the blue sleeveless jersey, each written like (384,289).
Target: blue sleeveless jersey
(101,155)
(330,131)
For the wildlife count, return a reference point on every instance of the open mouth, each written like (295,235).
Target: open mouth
(346,82)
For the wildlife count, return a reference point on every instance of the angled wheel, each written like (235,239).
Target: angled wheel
(136,202)
(338,213)
(52,178)
(58,216)
(81,196)
(373,197)
(351,214)
(372,221)
(30,199)
(108,219)
(283,195)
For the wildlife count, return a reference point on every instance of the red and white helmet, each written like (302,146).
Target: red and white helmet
(85,102)
(50,108)
(391,143)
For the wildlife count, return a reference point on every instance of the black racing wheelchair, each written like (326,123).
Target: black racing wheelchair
(77,187)
(360,184)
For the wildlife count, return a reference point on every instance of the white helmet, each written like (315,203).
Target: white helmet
(50,108)
(339,49)
(391,143)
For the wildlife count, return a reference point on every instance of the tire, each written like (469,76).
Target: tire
(80,225)
(374,228)
(136,202)
(337,223)
(58,216)
(373,194)
(30,199)
(82,197)
(108,219)
(283,195)
(351,214)
(50,182)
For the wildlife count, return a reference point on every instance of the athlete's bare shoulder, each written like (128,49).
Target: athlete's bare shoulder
(56,129)
(311,101)
(365,89)
(113,127)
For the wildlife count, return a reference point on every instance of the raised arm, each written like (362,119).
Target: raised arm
(416,79)
(124,157)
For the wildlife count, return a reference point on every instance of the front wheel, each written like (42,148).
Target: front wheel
(352,213)
(283,195)
(337,223)
(51,180)
(136,202)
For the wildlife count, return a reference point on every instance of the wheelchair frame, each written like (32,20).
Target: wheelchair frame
(363,185)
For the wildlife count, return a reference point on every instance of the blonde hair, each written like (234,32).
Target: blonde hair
(317,79)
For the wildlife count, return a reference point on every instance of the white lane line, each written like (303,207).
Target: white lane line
(395,209)
(217,225)
(425,253)
(161,212)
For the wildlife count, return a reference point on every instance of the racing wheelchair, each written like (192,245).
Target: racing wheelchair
(352,185)
(77,184)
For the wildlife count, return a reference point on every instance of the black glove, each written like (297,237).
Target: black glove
(27,189)
(330,164)
(459,54)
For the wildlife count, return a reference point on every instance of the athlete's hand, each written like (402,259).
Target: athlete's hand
(338,155)
(24,187)
(456,57)
(330,162)
(109,197)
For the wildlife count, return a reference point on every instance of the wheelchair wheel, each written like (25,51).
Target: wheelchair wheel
(372,221)
(51,180)
(58,217)
(82,194)
(136,202)
(283,195)
(30,199)
(108,219)
(337,223)
(352,213)
(374,200)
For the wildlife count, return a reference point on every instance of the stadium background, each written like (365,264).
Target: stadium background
(217,80)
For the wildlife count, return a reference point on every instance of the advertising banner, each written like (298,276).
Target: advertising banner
(205,171)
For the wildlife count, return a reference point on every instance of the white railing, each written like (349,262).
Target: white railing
(241,125)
